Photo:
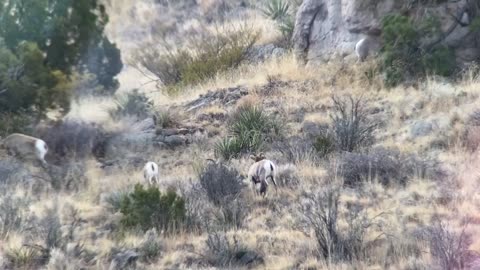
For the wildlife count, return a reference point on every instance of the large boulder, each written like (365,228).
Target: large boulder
(326,29)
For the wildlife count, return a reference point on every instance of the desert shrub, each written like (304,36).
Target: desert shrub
(352,128)
(387,166)
(324,144)
(221,183)
(71,138)
(406,56)
(231,214)
(297,149)
(114,200)
(223,186)
(221,252)
(211,54)
(450,249)
(133,103)
(250,128)
(320,211)
(148,208)
(199,209)
(150,247)
(70,175)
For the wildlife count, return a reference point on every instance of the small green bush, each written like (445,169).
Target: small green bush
(132,104)
(441,61)
(148,208)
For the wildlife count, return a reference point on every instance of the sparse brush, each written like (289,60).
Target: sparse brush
(13,214)
(221,252)
(132,104)
(231,214)
(450,249)
(320,211)
(389,167)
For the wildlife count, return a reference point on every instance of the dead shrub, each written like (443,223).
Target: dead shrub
(388,166)
(222,252)
(352,128)
(449,248)
(221,183)
(71,138)
(320,212)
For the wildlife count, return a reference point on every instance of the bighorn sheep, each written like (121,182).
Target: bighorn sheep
(367,45)
(259,173)
(150,172)
(24,146)
(361,49)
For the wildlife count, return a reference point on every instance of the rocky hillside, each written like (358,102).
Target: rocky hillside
(369,176)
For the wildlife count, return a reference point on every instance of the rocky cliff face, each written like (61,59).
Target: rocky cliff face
(326,29)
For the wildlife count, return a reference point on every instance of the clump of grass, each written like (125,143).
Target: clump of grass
(165,119)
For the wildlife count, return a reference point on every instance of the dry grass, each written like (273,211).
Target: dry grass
(272,227)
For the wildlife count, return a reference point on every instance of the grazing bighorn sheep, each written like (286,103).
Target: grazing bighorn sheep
(24,146)
(150,172)
(259,173)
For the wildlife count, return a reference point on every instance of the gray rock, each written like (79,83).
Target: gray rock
(175,140)
(259,53)
(220,96)
(421,128)
(313,129)
(124,259)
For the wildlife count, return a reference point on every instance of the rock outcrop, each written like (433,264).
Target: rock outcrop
(326,29)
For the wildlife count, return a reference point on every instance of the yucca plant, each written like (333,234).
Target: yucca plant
(276,9)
